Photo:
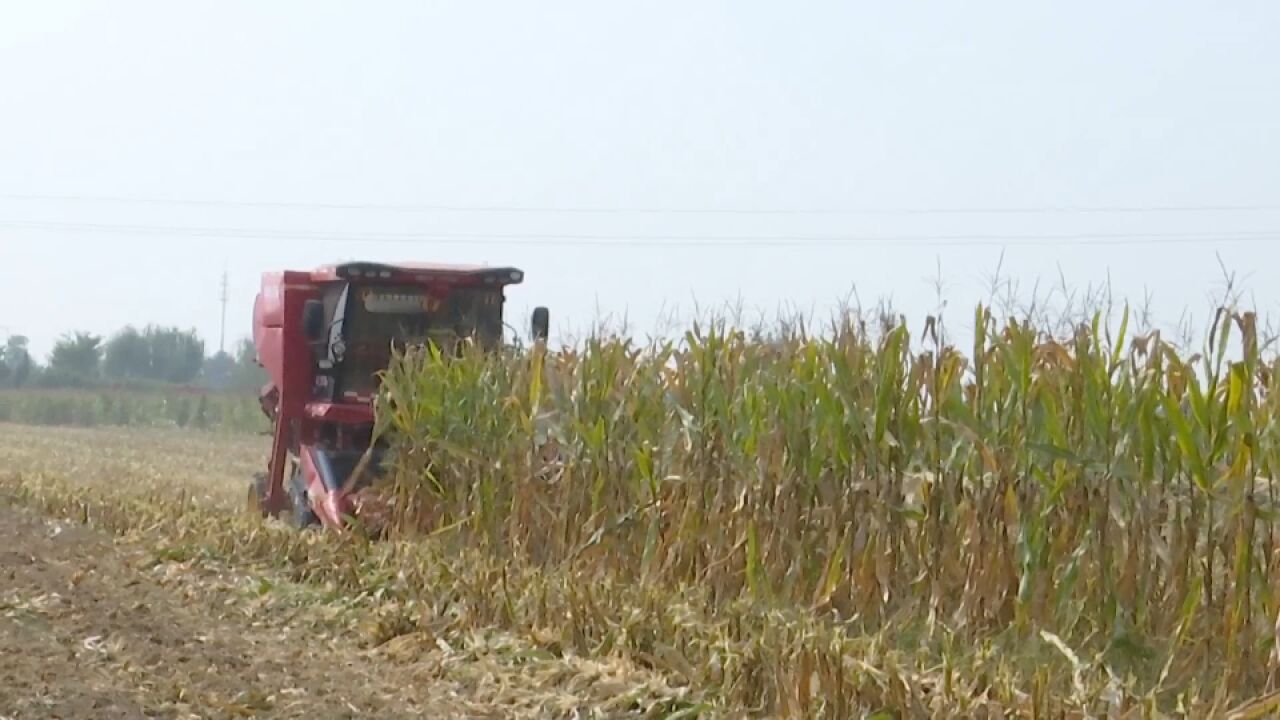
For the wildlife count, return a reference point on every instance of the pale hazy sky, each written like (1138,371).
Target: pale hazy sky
(859,110)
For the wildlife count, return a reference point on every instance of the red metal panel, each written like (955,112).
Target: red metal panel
(268,309)
(283,351)
(297,371)
(270,346)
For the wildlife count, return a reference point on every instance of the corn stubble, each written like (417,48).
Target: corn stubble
(856,521)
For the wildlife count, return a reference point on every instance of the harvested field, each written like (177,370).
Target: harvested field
(92,629)
(135,606)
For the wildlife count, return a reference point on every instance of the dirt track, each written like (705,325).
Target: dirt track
(85,632)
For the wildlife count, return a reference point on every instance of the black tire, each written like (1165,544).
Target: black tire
(301,515)
(299,512)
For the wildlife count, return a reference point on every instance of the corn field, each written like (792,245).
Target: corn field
(1081,522)
(90,408)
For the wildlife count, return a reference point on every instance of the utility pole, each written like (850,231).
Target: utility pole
(222,336)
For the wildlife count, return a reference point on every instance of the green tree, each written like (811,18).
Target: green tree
(76,356)
(127,356)
(18,357)
(18,360)
(176,356)
(219,371)
(15,345)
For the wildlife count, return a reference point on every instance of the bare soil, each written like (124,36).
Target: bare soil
(97,625)
(86,633)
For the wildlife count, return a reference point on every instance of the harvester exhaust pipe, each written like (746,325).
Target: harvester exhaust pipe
(541,323)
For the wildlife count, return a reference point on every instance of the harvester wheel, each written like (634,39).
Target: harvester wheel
(300,513)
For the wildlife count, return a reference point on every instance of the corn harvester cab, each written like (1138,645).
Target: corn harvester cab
(324,336)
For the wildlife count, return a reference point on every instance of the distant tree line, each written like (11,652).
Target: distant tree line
(135,357)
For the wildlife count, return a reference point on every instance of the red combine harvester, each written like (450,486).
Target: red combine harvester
(323,336)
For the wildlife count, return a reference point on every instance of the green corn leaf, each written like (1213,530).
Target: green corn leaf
(1186,443)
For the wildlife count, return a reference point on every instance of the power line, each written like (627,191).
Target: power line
(677,240)
(411,208)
